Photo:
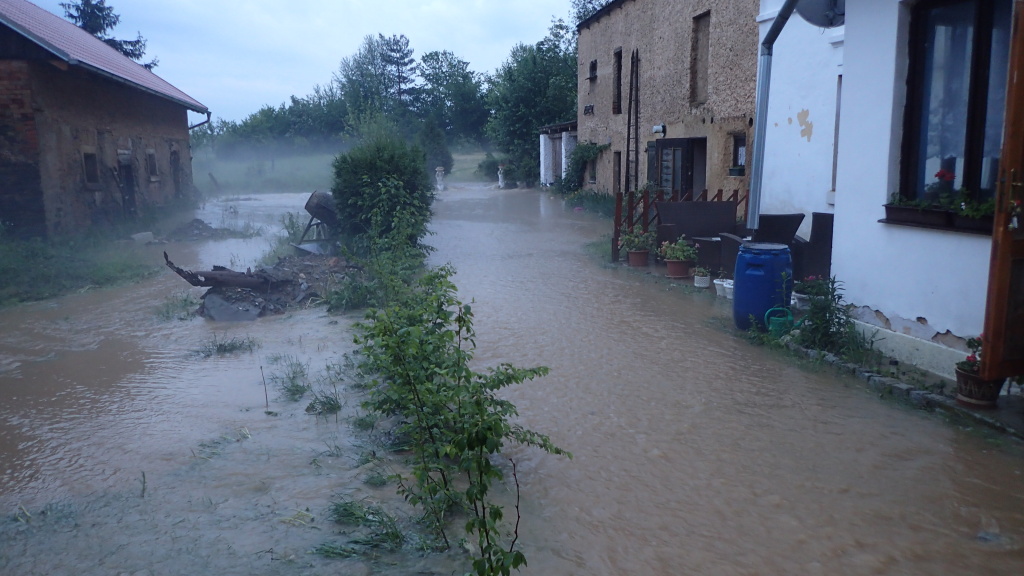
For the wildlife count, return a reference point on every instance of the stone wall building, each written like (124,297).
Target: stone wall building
(87,136)
(696,84)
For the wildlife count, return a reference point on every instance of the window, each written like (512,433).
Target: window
(956,87)
(593,171)
(617,85)
(151,165)
(739,150)
(593,71)
(92,168)
(700,58)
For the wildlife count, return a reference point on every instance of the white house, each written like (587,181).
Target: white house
(878,106)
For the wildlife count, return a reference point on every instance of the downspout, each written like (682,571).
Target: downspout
(764,78)
(207,121)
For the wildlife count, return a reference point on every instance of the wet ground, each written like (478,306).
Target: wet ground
(695,452)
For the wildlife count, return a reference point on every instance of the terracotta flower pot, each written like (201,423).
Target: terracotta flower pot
(638,257)
(972,391)
(678,268)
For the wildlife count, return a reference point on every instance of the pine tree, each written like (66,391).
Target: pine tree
(96,18)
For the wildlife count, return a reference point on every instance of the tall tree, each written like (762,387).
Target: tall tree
(98,19)
(378,79)
(452,95)
(580,10)
(534,87)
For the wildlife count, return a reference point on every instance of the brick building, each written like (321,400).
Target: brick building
(697,70)
(87,136)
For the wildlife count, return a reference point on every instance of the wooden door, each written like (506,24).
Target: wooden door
(674,166)
(1003,339)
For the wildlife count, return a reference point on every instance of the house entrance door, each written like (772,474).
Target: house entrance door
(678,165)
(127,181)
(1003,339)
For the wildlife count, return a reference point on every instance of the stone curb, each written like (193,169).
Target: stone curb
(904,392)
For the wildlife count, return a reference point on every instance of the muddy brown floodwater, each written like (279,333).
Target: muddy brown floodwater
(695,452)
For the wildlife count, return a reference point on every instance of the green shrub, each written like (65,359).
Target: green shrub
(828,325)
(359,180)
(488,167)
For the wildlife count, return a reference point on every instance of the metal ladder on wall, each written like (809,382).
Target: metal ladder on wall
(632,208)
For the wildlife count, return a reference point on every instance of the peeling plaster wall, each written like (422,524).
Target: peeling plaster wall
(926,284)
(800,139)
(661,30)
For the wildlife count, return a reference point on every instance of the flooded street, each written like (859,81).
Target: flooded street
(123,451)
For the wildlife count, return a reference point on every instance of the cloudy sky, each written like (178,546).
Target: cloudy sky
(235,56)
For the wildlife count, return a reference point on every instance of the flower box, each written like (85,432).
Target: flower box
(982,224)
(919,216)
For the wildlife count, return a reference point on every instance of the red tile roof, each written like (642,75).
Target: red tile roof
(79,48)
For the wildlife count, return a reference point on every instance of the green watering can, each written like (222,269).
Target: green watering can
(779,321)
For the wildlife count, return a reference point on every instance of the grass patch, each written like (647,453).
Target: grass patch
(375,479)
(292,380)
(383,527)
(331,550)
(36,270)
(325,402)
(365,422)
(218,346)
(178,306)
(593,201)
(464,168)
(308,172)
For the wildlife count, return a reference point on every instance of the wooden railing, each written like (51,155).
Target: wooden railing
(636,209)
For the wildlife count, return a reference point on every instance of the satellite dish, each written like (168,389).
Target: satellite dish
(822,13)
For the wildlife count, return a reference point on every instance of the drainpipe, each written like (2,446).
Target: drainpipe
(764,78)
(203,122)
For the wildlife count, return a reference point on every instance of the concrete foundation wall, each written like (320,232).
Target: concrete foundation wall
(662,31)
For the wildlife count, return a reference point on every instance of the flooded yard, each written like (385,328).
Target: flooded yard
(125,451)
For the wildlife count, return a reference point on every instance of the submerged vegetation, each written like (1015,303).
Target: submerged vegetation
(36,269)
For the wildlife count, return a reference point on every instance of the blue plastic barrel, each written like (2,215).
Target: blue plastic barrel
(763,280)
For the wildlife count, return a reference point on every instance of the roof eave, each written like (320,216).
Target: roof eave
(194,106)
(64,56)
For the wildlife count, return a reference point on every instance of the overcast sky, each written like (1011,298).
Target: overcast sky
(235,56)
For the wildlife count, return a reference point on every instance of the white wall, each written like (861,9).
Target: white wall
(924,282)
(800,138)
(937,276)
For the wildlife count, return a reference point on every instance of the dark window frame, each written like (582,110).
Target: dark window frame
(700,59)
(617,81)
(152,168)
(977,97)
(90,168)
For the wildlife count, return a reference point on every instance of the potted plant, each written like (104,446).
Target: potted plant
(701,277)
(720,284)
(637,245)
(919,212)
(971,389)
(678,256)
(974,214)
(809,287)
(926,211)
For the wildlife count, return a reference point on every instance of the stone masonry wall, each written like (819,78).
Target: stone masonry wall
(662,31)
(21,199)
(81,113)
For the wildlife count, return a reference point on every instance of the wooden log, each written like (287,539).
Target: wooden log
(221,277)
